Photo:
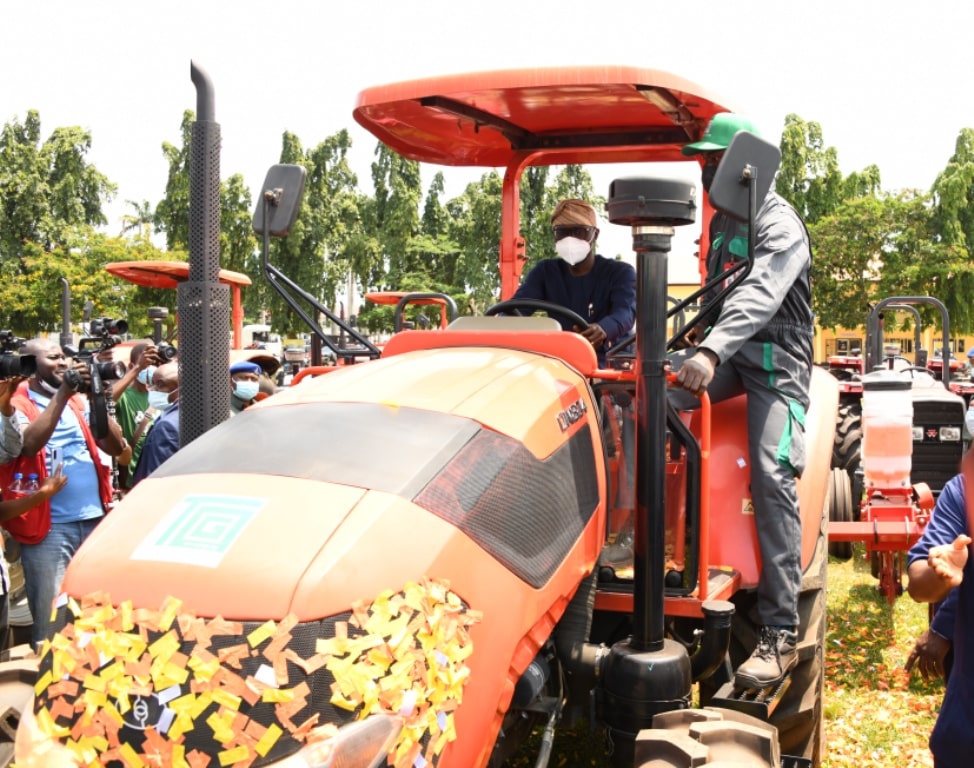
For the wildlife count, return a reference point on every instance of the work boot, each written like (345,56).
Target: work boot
(619,554)
(775,656)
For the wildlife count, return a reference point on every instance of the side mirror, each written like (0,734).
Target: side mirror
(281,199)
(921,358)
(748,157)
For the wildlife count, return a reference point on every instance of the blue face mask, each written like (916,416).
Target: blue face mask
(145,375)
(158,401)
(246,390)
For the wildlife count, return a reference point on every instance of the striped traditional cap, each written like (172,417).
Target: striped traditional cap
(569,213)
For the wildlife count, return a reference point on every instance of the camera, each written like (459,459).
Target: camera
(167,352)
(103,334)
(13,364)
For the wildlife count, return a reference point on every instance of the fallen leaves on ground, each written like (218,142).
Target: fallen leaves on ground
(876,714)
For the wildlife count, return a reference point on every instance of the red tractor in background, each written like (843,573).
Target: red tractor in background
(398,562)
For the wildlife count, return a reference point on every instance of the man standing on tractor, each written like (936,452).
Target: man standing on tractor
(759,342)
(601,290)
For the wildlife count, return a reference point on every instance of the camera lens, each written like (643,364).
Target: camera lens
(110,371)
(12,364)
(166,351)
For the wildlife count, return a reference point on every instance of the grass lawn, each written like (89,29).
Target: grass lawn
(875,714)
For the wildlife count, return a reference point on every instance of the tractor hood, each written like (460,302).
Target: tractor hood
(251,548)
(252,519)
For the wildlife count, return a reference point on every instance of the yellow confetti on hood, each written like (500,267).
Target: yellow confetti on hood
(403,653)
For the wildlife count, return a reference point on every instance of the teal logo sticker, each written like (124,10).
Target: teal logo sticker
(199,530)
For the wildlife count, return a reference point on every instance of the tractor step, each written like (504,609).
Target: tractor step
(757,702)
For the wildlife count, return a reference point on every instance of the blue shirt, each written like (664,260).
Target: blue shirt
(952,740)
(605,295)
(161,443)
(79,499)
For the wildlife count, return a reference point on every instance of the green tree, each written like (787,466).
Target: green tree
(172,212)
(871,248)
(953,194)
(33,303)
(238,244)
(809,176)
(433,248)
(922,262)
(397,195)
(475,226)
(314,255)
(47,188)
(140,220)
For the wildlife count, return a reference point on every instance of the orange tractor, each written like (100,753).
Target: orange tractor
(398,562)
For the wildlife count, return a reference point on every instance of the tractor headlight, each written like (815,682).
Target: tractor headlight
(950,434)
(917,434)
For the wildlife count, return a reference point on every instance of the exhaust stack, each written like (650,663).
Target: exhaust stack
(648,673)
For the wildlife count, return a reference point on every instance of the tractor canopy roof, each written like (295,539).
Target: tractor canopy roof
(559,115)
(514,119)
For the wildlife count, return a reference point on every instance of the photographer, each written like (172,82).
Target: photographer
(55,421)
(132,411)
(11,438)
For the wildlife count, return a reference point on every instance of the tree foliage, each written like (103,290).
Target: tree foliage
(867,243)
(313,255)
(47,188)
(809,176)
(33,303)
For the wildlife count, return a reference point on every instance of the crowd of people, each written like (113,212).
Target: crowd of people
(46,431)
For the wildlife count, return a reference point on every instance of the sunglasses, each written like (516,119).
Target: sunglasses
(582,233)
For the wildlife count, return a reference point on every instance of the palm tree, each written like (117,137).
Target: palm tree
(140,220)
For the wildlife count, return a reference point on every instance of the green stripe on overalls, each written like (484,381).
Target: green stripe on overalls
(796,411)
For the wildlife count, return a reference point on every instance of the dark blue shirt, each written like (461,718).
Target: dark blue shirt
(161,443)
(605,295)
(952,740)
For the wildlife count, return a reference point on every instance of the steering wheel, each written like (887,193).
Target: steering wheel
(536,305)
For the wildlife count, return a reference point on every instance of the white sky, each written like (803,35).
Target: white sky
(888,81)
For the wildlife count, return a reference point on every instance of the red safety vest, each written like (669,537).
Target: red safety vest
(32,526)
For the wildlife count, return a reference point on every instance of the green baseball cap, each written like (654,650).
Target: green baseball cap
(720,131)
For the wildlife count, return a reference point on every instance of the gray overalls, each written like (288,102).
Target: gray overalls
(763,340)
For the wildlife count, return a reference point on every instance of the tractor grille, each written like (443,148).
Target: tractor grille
(152,714)
(120,686)
(527,512)
(934,461)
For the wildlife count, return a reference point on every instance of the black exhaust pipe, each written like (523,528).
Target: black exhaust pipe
(204,303)
(648,673)
(715,640)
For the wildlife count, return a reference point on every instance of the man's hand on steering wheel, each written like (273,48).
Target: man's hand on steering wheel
(594,333)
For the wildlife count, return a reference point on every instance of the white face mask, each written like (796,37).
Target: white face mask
(573,250)
(47,387)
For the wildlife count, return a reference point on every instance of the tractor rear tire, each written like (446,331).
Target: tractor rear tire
(847,449)
(799,715)
(17,678)
(700,737)
(841,510)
